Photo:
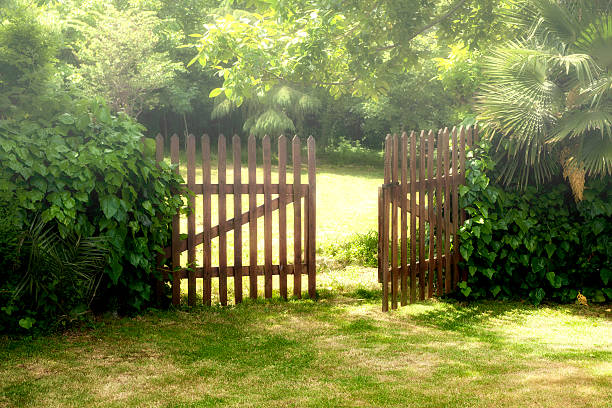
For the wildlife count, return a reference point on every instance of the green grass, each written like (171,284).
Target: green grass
(338,352)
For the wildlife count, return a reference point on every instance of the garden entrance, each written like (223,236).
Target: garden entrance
(418,214)
(262,199)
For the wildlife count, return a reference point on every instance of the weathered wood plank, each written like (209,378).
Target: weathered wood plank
(439,207)
(312,218)
(222,157)
(237,213)
(413,229)
(462,154)
(282,214)
(430,213)
(246,271)
(159,157)
(455,206)
(297,217)
(394,227)
(244,188)
(267,168)
(447,211)
(384,244)
(244,219)
(252,218)
(422,212)
(176,227)
(404,220)
(206,222)
(191,222)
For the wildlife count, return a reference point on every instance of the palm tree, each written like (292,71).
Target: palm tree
(547,100)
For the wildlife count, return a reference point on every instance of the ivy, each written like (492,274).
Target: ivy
(535,244)
(85,172)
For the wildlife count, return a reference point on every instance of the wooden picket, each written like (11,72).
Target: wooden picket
(427,204)
(275,197)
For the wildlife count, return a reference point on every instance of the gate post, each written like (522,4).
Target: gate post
(383,253)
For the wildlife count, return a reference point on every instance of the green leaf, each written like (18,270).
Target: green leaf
(606,275)
(147,206)
(215,92)
(538,265)
(537,295)
(472,270)
(550,249)
(476,231)
(488,272)
(466,251)
(27,322)
(598,226)
(465,289)
(110,205)
(66,119)
(495,290)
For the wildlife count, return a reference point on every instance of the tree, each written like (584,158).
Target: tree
(28,50)
(547,97)
(117,57)
(353,46)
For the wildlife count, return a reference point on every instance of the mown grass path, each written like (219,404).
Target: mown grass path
(338,352)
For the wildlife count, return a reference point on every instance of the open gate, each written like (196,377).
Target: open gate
(419,252)
(275,197)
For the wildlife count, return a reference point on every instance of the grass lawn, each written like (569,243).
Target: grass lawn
(338,352)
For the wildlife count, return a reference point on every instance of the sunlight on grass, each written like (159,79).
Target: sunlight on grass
(338,351)
(346,204)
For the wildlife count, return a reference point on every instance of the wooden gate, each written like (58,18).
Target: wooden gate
(423,193)
(275,197)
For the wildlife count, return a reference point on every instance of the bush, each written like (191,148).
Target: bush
(535,244)
(344,152)
(84,173)
(47,280)
(359,249)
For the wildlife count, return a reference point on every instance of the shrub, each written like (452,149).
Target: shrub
(359,249)
(345,153)
(47,280)
(84,173)
(534,244)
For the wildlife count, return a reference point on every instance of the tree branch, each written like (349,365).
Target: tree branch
(431,24)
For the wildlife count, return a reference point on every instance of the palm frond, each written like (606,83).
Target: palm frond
(582,124)
(596,40)
(596,156)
